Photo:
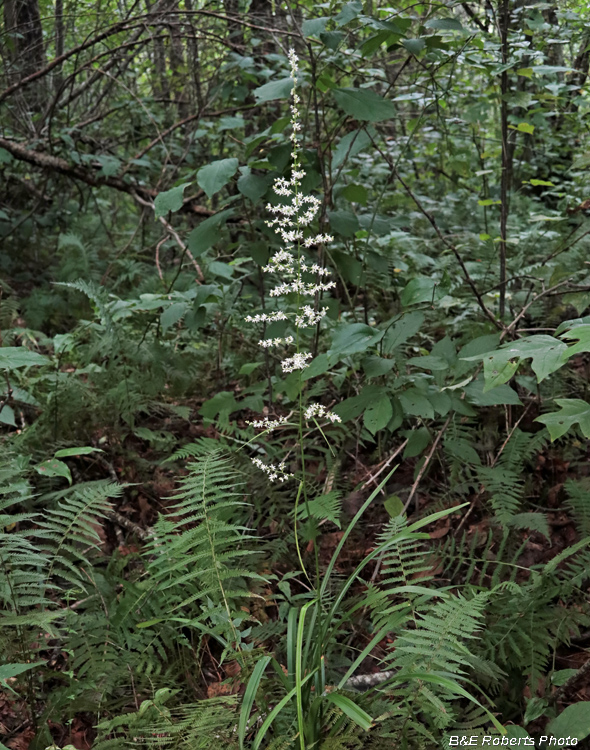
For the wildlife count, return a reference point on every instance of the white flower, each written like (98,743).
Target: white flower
(266,343)
(268,424)
(297,362)
(274,472)
(317,410)
(266,318)
(309,317)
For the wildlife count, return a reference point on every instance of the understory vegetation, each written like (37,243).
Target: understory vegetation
(295,353)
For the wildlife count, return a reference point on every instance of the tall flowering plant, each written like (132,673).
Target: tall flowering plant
(292,219)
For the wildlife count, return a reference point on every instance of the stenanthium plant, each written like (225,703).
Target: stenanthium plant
(291,220)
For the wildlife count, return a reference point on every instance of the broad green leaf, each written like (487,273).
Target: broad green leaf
(421,289)
(548,354)
(253,186)
(13,357)
(344,223)
(82,451)
(314,26)
(364,104)
(572,411)
(54,468)
(525,127)
(206,233)
(416,404)
(417,441)
(378,414)
(352,407)
(12,670)
(394,506)
(171,200)
(348,12)
(414,46)
(573,721)
(501,394)
(7,415)
(375,366)
(280,89)
(350,145)
(249,368)
(562,676)
(444,24)
(581,334)
(353,338)
(217,174)
(172,315)
(402,330)
(429,362)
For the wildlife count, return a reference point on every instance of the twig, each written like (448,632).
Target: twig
(158,246)
(489,314)
(427,461)
(171,231)
(391,458)
(568,685)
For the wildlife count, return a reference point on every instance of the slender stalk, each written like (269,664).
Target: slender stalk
(507,150)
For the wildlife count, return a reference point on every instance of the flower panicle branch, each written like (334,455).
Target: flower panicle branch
(291,218)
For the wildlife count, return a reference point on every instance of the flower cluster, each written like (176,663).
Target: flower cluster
(266,343)
(290,219)
(268,424)
(274,472)
(317,410)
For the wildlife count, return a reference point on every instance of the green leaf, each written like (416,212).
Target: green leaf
(54,468)
(525,127)
(355,194)
(574,721)
(280,89)
(353,338)
(82,451)
(414,46)
(572,411)
(171,200)
(13,357)
(404,329)
(501,394)
(378,414)
(416,404)
(7,416)
(12,670)
(344,223)
(421,289)
(417,441)
(350,708)
(560,677)
(350,145)
(429,362)
(375,366)
(314,26)
(206,234)
(348,12)
(444,24)
(253,186)
(548,354)
(249,368)
(172,315)
(364,104)
(217,174)
(394,506)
